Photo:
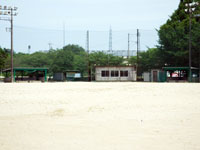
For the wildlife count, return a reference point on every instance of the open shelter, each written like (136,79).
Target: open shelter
(27,74)
(181,74)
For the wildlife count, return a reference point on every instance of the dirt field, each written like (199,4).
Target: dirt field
(99,116)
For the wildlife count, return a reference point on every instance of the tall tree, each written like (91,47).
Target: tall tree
(174,37)
(148,60)
(69,58)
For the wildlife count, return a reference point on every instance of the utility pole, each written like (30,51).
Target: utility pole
(138,48)
(88,54)
(88,42)
(29,49)
(110,39)
(50,46)
(63,34)
(110,44)
(198,15)
(128,45)
(190,8)
(9,11)
(190,45)
(199,65)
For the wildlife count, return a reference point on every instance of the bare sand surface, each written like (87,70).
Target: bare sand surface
(99,116)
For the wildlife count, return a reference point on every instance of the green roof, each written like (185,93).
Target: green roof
(25,69)
(179,68)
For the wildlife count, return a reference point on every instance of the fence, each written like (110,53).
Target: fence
(44,39)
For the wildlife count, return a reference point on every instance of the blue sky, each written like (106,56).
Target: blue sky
(40,22)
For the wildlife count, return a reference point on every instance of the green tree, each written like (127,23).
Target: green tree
(98,59)
(174,37)
(63,61)
(75,49)
(102,59)
(3,58)
(147,60)
(80,62)
(71,57)
(68,58)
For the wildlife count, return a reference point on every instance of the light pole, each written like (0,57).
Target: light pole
(198,15)
(128,45)
(190,8)
(9,11)
(138,49)
(88,55)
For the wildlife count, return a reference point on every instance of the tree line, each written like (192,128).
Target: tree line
(71,57)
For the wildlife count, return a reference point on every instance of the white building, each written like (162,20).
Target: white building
(123,73)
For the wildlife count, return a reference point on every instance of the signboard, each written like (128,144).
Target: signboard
(77,75)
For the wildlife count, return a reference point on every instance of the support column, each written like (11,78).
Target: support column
(14,74)
(165,76)
(45,75)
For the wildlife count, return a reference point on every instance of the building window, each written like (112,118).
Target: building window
(123,73)
(105,73)
(114,73)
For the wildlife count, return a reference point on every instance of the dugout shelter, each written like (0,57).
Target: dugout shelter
(26,74)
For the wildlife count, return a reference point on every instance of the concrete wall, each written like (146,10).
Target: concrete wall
(131,74)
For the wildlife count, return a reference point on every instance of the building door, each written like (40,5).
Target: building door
(155,76)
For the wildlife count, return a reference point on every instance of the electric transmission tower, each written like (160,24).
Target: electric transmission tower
(87,42)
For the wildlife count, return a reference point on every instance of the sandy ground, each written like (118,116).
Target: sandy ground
(99,116)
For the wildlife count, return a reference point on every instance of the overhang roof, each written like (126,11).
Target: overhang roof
(115,66)
(25,69)
(179,68)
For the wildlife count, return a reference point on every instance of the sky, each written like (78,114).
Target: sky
(40,23)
